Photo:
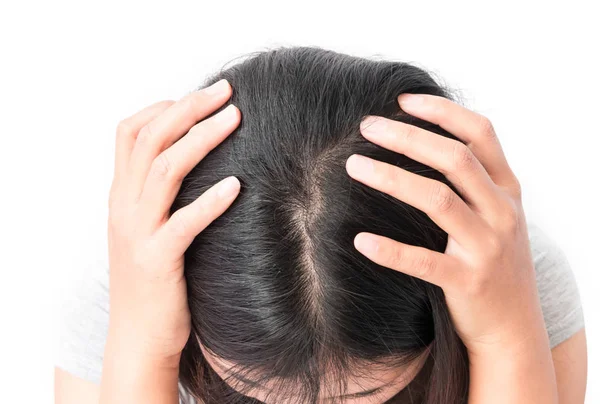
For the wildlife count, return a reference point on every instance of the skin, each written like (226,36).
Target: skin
(486,272)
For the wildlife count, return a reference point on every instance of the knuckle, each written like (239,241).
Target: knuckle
(396,258)
(112,224)
(486,127)
(493,246)
(124,129)
(462,157)
(510,220)
(517,189)
(112,193)
(162,167)
(112,220)
(443,198)
(440,105)
(190,102)
(115,223)
(112,201)
(393,176)
(146,135)
(165,104)
(179,226)
(479,284)
(458,183)
(424,266)
(409,133)
(384,176)
(115,200)
(202,132)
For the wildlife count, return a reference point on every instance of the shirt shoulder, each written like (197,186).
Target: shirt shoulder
(557,287)
(84,323)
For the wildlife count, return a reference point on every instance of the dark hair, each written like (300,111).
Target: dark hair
(275,284)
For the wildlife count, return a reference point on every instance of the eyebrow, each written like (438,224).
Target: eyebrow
(364,393)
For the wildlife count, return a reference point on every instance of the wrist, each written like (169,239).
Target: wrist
(136,348)
(128,376)
(524,379)
(526,333)
(519,371)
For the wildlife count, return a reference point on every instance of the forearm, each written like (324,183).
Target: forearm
(129,378)
(522,374)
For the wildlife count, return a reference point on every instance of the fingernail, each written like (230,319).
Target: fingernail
(228,187)
(410,100)
(373,124)
(360,165)
(366,243)
(219,87)
(226,114)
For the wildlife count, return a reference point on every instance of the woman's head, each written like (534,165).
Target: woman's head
(277,292)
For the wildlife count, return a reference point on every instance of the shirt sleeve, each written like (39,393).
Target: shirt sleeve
(84,323)
(557,287)
(84,326)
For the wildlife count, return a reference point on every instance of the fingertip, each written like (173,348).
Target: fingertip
(373,124)
(221,87)
(229,187)
(359,166)
(367,244)
(409,100)
(228,114)
(237,112)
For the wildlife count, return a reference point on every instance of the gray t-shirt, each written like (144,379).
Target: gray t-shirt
(85,314)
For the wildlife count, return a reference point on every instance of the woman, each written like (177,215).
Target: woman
(367,245)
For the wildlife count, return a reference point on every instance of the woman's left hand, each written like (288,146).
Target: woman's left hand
(486,272)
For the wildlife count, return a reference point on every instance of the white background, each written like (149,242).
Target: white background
(71,70)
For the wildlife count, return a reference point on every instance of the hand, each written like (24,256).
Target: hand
(149,314)
(487,273)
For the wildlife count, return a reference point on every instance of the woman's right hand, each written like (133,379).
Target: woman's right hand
(149,321)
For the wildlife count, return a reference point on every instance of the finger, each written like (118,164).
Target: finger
(127,131)
(169,126)
(474,129)
(172,165)
(431,266)
(451,157)
(433,197)
(185,224)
